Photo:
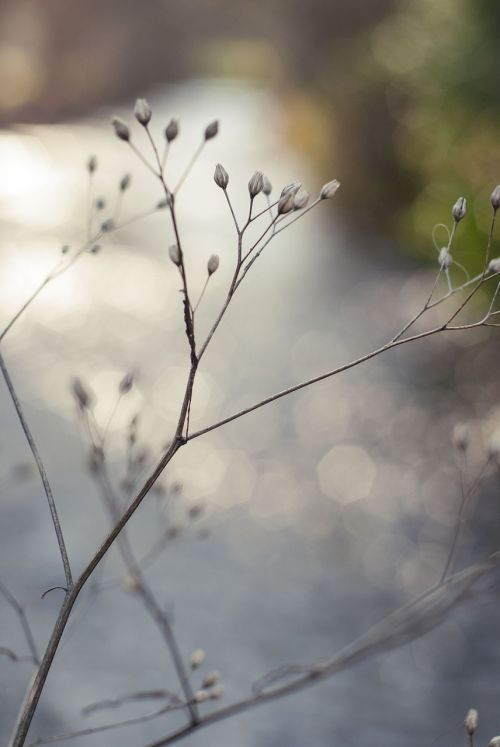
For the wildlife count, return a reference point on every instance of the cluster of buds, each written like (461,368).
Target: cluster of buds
(211,689)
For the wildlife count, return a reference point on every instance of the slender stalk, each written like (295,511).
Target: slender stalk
(20,612)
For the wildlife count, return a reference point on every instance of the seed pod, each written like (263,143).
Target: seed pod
(285,205)
(495,198)
(212,264)
(197,658)
(329,189)
(300,199)
(171,130)
(126,384)
(293,187)
(125,182)
(267,187)
(142,112)
(121,129)
(256,184)
(92,164)
(471,721)
(221,177)
(459,209)
(494,265)
(211,130)
(174,254)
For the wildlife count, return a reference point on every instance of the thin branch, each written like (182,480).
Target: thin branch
(102,705)
(19,610)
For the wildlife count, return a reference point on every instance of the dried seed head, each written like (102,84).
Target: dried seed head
(285,205)
(221,177)
(217,692)
(471,721)
(108,225)
(92,165)
(461,437)
(171,130)
(495,198)
(211,130)
(445,259)
(126,384)
(142,112)
(212,264)
(81,395)
(267,187)
(121,129)
(197,658)
(174,254)
(256,184)
(459,209)
(494,265)
(329,189)
(211,679)
(301,199)
(201,696)
(293,187)
(125,182)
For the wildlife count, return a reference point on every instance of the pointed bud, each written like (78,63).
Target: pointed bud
(81,395)
(211,679)
(126,384)
(256,184)
(211,130)
(171,130)
(285,205)
(329,189)
(217,692)
(293,187)
(197,658)
(494,265)
(300,199)
(213,264)
(221,177)
(459,209)
(201,696)
(174,254)
(495,198)
(125,182)
(445,259)
(121,129)
(471,721)
(461,437)
(92,164)
(142,112)
(267,187)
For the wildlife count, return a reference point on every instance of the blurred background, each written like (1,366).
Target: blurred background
(300,526)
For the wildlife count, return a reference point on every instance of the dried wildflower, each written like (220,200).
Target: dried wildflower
(201,696)
(211,679)
(221,177)
(285,205)
(444,259)
(81,395)
(126,384)
(142,112)
(494,265)
(329,189)
(267,187)
(293,187)
(121,129)
(171,130)
(211,130)
(212,264)
(256,184)
(125,182)
(461,437)
(217,692)
(495,198)
(197,658)
(92,165)
(130,583)
(108,225)
(471,721)
(174,254)
(301,199)
(459,209)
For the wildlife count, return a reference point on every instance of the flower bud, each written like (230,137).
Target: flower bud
(92,164)
(285,205)
(256,184)
(81,395)
(211,679)
(495,198)
(130,583)
(461,437)
(329,189)
(293,187)
(121,129)
(494,264)
(197,658)
(171,130)
(126,384)
(221,177)
(445,259)
(174,254)
(125,182)
(201,696)
(301,199)
(142,112)
(217,692)
(108,225)
(471,721)
(267,187)
(212,264)
(211,130)
(459,209)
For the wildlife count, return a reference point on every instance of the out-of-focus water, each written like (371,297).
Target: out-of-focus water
(322,512)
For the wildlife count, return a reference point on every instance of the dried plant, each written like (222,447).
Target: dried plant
(123,494)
